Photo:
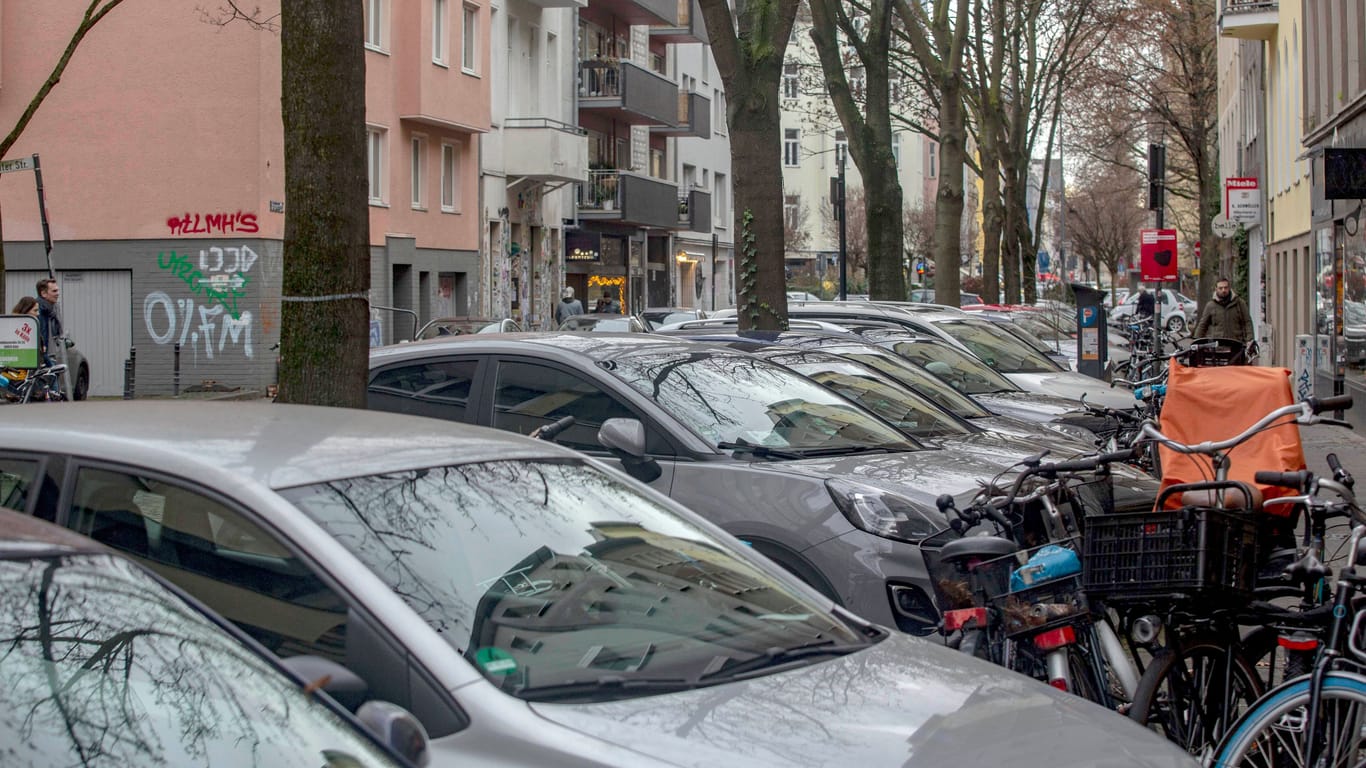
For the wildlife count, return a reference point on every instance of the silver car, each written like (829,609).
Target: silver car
(531,605)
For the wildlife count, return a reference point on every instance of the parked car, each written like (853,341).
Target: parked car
(656,317)
(802,296)
(530,605)
(766,454)
(926,296)
(1178,312)
(458,326)
(106,664)
(603,322)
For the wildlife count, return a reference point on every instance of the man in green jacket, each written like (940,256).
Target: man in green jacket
(1225,316)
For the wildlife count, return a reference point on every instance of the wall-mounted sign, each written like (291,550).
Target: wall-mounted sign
(1243,200)
(1157,256)
(580,245)
(18,341)
(1344,173)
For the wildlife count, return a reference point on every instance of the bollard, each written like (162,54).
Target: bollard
(127,379)
(175,378)
(131,385)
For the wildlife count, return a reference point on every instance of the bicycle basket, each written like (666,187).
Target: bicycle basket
(1206,353)
(1033,590)
(1200,554)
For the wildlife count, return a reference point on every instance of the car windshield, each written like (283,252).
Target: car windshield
(599,324)
(461,327)
(961,370)
(907,410)
(103,666)
(735,398)
(1038,326)
(996,347)
(560,582)
(660,319)
(917,380)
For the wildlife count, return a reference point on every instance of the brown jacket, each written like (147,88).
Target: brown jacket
(1224,320)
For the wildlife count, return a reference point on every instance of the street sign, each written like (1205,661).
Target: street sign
(1222,227)
(1157,256)
(21,164)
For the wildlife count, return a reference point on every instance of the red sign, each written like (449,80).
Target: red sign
(1157,256)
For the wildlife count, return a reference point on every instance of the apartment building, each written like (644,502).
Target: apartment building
(162,156)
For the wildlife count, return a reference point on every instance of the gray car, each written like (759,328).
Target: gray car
(531,605)
(808,478)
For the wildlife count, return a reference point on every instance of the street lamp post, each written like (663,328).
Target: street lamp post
(843,211)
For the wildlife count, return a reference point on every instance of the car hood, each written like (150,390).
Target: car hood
(1029,406)
(1072,385)
(1035,431)
(901,702)
(1004,449)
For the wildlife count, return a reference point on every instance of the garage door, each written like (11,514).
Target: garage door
(96,308)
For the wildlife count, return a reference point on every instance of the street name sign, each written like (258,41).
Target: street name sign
(21,164)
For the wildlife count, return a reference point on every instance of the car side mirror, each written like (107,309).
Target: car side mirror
(398,729)
(625,438)
(329,677)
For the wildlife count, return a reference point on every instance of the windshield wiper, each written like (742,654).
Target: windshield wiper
(774,657)
(758,450)
(847,450)
(606,686)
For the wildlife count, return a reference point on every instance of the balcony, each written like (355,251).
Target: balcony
(629,198)
(627,93)
(691,28)
(694,118)
(1248,19)
(694,211)
(541,149)
(559,3)
(639,12)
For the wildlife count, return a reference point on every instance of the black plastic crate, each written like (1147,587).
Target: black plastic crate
(1040,606)
(1205,554)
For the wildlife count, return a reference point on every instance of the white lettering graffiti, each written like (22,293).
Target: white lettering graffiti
(242,259)
(180,313)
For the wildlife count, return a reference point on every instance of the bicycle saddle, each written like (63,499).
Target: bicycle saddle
(983,547)
(1234,498)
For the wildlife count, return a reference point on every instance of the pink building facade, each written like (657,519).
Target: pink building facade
(162,163)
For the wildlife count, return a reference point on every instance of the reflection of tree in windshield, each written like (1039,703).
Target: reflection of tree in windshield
(548,573)
(962,372)
(102,667)
(732,397)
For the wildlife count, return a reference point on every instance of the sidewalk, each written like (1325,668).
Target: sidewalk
(1350,446)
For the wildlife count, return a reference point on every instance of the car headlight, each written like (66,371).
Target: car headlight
(883,513)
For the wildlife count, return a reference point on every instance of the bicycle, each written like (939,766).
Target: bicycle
(1315,719)
(40,384)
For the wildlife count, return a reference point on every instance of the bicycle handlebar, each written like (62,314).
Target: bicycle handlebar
(1296,480)
(1302,412)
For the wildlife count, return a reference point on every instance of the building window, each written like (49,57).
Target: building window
(706,64)
(934,159)
(374,24)
(449,186)
(896,150)
(792,208)
(470,36)
(722,206)
(841,148)
(791,147)
(791,87)
(419,161)
(374,139)
(439,32)
(718,101)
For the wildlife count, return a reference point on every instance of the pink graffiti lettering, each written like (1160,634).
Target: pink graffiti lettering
(212,223)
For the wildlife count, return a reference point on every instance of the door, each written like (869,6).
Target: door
(96,312)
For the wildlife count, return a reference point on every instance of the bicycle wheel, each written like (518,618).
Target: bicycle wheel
(1183,696)
(1274,731)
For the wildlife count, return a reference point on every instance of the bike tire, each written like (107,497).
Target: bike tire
(1271,732)
(1174,696)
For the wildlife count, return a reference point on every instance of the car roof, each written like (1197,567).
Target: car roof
(273,444)
(564,345)
(22,534)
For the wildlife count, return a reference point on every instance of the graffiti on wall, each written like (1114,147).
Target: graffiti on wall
(210,320)
(221,223)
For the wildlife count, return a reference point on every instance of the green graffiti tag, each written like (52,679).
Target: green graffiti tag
(220,289)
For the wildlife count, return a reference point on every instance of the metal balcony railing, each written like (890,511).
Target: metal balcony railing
(601,77)
(602,192)
(1248,6)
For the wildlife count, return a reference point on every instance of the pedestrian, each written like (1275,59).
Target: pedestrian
(1145,305)
(1225,316)
(568,306)
(49,320)
(26,306)
(608,303)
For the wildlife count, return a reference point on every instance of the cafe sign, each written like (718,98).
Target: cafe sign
(18,341)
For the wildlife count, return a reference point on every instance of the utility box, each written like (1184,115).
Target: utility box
(1092,347)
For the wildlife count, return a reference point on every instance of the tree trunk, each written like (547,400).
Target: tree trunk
(324,313)
(1010,239)
(886,228)
(761,293)
(993,213)
(948,206)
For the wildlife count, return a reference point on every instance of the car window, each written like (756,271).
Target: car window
(527,396)
(996,347)
(962,371)
(439,388)
(192,540)
(920,381)
(559,582)
(16,479)
(103,667)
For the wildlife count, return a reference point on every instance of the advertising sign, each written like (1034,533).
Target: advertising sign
(19,341)
(1242,200)
(1157,256)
